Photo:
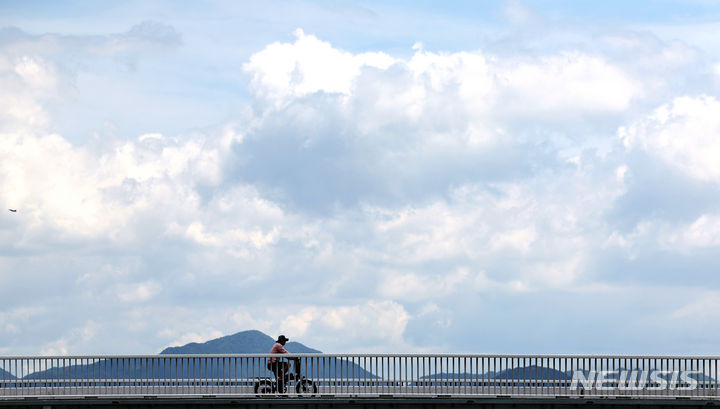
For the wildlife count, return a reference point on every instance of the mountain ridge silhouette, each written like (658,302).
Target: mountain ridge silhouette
(243,342)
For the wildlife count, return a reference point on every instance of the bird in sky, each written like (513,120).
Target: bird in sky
(13,210)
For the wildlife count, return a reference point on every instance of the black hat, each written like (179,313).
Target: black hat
(282,338)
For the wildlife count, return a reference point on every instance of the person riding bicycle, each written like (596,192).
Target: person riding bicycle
(276,365)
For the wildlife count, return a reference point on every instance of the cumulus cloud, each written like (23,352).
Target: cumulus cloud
(284,71)
(476,82)
(381,195)
(684,133)
(422,287)
(82,194)
(126,192)
(75,339)
(700,234)
(190,337)
(137,292)
(409,128)
(25,84)
(9,320)
(573,83)
(372,323)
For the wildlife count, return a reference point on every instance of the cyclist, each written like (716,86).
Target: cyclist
(276,365)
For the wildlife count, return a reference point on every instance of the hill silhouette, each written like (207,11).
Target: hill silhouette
(6,375)
(256,342)
(244,342)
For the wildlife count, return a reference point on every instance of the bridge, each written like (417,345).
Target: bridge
(373,381)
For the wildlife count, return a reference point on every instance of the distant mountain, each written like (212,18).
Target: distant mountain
(256,342)
(166,366)
(534,372)
(245,342)
(6,375)
(527,372)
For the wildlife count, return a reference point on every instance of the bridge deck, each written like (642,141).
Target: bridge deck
(353,403)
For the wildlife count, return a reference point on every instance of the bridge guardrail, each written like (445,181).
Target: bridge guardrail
(363,375)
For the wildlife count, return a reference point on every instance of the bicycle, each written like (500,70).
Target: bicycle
(301,384)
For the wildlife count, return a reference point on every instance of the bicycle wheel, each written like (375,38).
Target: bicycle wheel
(306,387)
(263,387)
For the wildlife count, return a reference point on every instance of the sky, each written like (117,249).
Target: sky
(374,177)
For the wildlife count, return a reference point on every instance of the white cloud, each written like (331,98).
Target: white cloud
(365,325)
(283,71)
(60,186)
(684,133)
(37,74)
(704,308)
(26,83)
(379,192)
(519,13)
(74,339)
(374,322)
(80,193)
(420,287)
(187,338)
(147,136)
(546,233)
(519,239)
(702,233)
(672,237)
(13,320)
(630,240)
(559,272)
(465,89)
(570,82)
(175,325)
(132,293)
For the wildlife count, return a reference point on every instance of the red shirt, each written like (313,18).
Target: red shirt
(277,349)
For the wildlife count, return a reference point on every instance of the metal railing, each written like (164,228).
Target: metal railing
(361,375)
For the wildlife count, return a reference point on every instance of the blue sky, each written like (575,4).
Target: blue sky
(500,176)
